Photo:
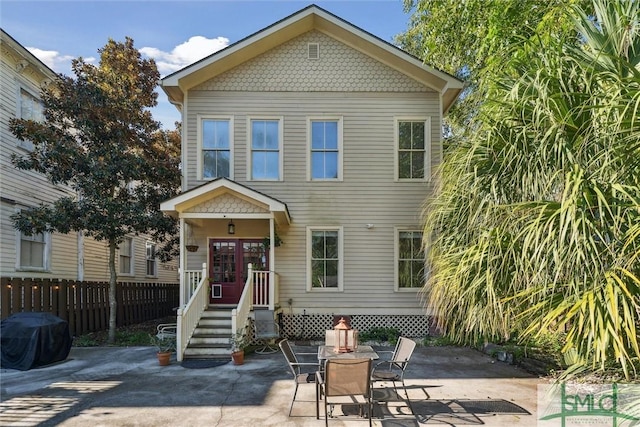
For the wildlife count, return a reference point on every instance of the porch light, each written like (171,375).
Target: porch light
(345,339)
(231,228)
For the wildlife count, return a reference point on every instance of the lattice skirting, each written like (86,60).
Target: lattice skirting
(313,326)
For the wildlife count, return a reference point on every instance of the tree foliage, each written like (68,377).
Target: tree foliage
(536,226)
(99,139)
(471,39)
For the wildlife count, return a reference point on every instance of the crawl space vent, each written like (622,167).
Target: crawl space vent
(313,51)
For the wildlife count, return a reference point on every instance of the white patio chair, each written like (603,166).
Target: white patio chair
(394,368)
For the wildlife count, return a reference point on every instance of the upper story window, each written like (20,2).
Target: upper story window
(30,108)
(125,257)
(324,258)
(215,140)
(33,252)
(325,149)
(152,263)
(266,145)
(413,149)
(410,260)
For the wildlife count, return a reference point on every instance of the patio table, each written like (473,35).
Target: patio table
(326,352)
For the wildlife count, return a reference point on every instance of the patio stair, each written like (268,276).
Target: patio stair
(210,340)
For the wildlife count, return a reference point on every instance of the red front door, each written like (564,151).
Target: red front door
(228,261)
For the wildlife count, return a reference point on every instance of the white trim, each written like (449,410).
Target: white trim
(338,119)
(46,253)
(280,120)
(23,85)
(132,255)
(340,231)
(427,147)
(147,244)
(200,160)
(396,257)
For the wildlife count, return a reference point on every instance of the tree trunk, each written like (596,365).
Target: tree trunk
(113,304)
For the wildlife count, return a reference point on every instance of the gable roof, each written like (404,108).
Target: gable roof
(219,186)
(310,18)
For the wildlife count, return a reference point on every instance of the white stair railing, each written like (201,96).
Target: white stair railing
(240,314)
(189,315)
(192,278)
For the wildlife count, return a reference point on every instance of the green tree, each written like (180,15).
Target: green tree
(536,226)
(99,139)
(471,39)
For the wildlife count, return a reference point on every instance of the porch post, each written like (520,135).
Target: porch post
(272,263)
(181,269)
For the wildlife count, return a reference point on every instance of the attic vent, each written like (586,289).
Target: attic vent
(313,51)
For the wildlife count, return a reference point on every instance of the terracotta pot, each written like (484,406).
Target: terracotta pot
(164,358)
(238,357)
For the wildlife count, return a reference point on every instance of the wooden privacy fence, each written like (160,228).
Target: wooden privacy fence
(85,305)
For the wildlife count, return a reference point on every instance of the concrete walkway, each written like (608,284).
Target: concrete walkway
(114,386)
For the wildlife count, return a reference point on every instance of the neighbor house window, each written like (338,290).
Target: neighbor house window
(410,263)
(30,108)
(152,265)
(413,149)
(125,257)
(324,258)
(266,143)
(325,144)
(33,252)
(215,138)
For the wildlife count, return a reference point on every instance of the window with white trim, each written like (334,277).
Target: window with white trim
(410,260)
(33,252)
(325,260)
(413,149)
(125,257)
(265,157)
(325,143)
(30,107)
(152,263)
(215,138)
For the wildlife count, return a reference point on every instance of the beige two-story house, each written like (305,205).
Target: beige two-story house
(316,135)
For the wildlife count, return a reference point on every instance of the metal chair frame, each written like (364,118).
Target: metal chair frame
(297,368)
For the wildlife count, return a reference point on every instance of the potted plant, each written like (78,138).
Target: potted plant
(239,342)
(165,346)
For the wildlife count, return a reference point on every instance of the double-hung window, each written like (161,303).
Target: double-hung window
(413,149)
(30,108)
(410,260)
(125,257)
(33,252)
(325,160)
(265,146)
(216,140)
(152,264)
(324,255)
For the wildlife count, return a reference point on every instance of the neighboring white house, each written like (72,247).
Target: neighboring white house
(51,256)
(317,133)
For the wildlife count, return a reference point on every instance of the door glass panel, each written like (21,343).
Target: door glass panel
(224,262)
(253,252)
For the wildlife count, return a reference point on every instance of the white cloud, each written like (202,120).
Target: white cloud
(55,61)
(194,49)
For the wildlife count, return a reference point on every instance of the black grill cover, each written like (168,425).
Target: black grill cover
(29,340)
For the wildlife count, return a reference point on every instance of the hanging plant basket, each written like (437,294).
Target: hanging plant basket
(192,248)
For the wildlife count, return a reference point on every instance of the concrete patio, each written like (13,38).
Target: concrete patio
(114,386)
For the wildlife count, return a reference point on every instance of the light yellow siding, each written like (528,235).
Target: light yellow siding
(369,97)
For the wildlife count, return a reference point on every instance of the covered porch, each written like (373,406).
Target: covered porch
(226,256)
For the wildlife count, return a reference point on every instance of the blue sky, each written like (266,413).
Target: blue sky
(174,33)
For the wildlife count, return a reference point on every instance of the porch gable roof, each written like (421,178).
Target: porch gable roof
(221,186)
